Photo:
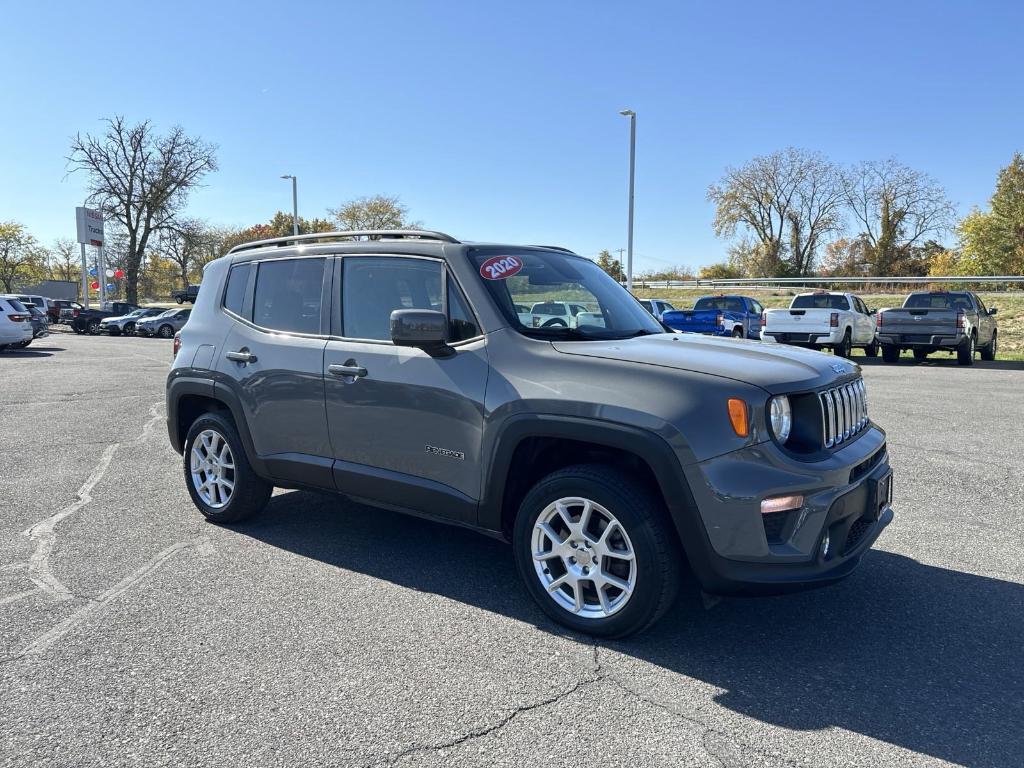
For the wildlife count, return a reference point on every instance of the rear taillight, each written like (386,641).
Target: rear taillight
(74,313)
(718,319)
(960,320)
(834,322)
(878,319)
(19,318)
(177,344)
(764,319)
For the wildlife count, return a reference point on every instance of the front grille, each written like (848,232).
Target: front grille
(857,531)
(844,412)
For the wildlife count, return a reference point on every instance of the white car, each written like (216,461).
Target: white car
(15,323)
(555,314)
(656,307)
(823,320)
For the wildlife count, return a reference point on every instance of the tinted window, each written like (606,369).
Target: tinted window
(16,305)
(234,294)
(723,303)
(937,301)
(666,307)
(288,293)
(461,324)
(820,301)
(647,305)
(373,287)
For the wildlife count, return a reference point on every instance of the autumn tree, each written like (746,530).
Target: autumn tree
(376,212)
(845,257)
(20,256)
(720,271)
(896,208)
(786,203)
(993,240)
(141,180)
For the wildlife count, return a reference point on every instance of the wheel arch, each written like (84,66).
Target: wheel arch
(189,397)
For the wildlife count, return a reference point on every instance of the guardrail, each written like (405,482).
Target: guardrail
(807,282)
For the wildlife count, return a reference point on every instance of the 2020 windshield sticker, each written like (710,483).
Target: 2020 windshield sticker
(500,267)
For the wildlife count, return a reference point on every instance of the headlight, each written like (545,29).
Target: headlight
(781,417)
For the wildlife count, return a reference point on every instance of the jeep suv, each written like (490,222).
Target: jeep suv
(393,367)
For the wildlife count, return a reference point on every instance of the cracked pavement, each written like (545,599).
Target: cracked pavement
(324,632)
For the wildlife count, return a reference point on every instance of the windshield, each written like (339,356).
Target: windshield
(724,303)
(820,301)
(550,294)
(937,301)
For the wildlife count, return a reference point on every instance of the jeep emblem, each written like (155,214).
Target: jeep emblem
(839,368)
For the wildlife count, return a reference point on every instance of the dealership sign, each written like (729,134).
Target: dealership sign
(90,226)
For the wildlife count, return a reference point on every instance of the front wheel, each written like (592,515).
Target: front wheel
(129,329)
(166,331)
(871,350)
(737,332)
(988,352)
(220,480)
(22,344)
(596,551)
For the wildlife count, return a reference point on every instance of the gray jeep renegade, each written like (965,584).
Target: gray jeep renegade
(411,371)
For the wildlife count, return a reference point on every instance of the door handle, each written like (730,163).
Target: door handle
(241,356)
(346,370)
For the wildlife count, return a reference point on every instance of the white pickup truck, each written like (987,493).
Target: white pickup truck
(823,319)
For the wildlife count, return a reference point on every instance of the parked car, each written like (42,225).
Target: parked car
(558,314)
(15,323)
(125,324)
(934,321)
(189,295)
(737,316)
(612,457)
(37,301)
(88,320)
(53,312)
(823,320)
(656,307)
(164,325)
(40,324)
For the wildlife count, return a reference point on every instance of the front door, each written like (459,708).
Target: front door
(273,360)
(405,425)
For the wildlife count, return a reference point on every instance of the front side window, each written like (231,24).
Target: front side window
(373,287)
(550,281)
(288,295)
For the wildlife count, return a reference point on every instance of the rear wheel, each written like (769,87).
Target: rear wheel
(965,352)
(220,480)
(596,551)
(890,353)
(988,352)
(93,328)
(845,347)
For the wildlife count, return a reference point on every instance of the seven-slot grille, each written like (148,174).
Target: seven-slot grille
(844,412)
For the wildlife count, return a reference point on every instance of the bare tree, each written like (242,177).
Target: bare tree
(65,260)
(376,212)
(141,180)
(185,243)
(897,207)
(787,201)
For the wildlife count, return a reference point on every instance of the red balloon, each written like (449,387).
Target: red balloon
(118,273)
(94,285)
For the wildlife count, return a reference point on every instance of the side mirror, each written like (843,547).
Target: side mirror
(423,328)
(993,310)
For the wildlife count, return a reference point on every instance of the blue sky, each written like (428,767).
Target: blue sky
(500,121)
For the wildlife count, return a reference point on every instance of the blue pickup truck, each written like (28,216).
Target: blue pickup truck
(738,316)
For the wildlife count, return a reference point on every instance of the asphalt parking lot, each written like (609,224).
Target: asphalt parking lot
(133,633)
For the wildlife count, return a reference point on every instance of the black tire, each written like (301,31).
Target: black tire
(965,352)
(179,299)
(890,353)
(845,347)
(129,329)
(640,511)
(921,355)
(871,350)
(988,352)
(737,332)
(21,344)
(251,492)
(93,328)
(166,331)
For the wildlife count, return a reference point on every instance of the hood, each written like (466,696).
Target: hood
(775,368)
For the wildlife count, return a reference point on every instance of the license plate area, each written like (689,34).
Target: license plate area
(882,496)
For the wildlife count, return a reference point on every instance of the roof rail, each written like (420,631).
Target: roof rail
(555,248)
(390,234)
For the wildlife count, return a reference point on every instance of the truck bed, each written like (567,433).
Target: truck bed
(694,320)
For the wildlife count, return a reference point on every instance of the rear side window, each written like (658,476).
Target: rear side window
(820,301)
(234,294)
(288,295)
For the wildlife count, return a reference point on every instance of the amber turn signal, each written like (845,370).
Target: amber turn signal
(739,417)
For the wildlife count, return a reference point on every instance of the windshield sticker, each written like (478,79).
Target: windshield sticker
(500,267)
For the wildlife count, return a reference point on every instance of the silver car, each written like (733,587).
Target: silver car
(164,325)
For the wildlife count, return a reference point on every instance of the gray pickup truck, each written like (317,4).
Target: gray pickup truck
(396,368)
(933,321)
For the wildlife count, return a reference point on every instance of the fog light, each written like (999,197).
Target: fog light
(825,542)
(781,504)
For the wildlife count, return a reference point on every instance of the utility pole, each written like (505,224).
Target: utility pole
(295,203)
(632,174)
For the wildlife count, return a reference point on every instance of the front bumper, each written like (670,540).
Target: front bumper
(747,553)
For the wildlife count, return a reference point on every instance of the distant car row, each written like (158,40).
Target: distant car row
(929,321)
(20,323)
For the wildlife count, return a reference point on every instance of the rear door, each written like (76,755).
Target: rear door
(405,426)
(273,360)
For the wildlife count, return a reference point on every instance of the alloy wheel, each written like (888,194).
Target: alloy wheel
(212,468)
(583,558)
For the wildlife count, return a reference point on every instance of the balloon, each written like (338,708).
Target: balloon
(119,274)
(94,285)
(109,273)
(110,286)
(92,271)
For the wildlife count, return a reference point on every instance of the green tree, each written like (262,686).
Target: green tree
(375,212)
(720,271)
(993,242)
(610,264)
(21,258)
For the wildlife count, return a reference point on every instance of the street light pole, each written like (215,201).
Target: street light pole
(632,174)
(295,203)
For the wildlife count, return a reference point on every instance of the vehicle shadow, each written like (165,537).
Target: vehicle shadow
(941,361)
(922,657)
(30,352)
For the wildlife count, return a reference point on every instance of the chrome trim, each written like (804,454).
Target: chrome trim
(844,412)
